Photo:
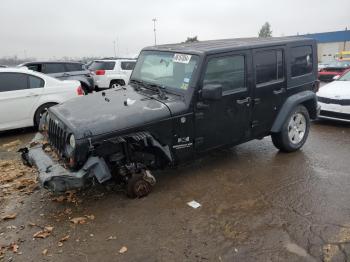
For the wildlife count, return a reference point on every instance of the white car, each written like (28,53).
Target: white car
(334,99)
(25,95)
(108,73)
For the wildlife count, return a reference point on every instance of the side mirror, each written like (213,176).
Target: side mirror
(336,77)
(212,91)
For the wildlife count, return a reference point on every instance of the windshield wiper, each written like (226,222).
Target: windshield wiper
(160,89)
(138,83)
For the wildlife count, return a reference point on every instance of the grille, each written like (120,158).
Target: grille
(335,115)
(57,136)
(343,102)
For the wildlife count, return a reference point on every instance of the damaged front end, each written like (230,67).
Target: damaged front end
(66,165)
(54,176)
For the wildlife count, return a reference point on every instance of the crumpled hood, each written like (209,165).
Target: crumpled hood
(336,90)
(118,109)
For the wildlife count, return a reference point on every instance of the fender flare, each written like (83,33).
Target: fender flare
(307,98)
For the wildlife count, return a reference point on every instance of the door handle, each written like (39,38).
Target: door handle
(279,91)
(246,101)
(32,95)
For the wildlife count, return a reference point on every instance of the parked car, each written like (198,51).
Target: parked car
(65,71)
(320,66)
(334,99)
(25,95)
(183,100)
(332,69)
(110,73)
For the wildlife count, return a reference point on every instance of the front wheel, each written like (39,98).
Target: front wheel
(294,132)
(140,184)
(40,111)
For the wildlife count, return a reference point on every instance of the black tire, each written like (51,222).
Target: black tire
(40,111)
(283,140)
(116,82)
(137,187)
(85,88)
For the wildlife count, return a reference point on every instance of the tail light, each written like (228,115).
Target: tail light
(80,91)
(100,72)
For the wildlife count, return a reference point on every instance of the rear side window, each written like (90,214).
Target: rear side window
(35,82)
(301,60)
(100,65)
(127,65)
(74,67)
(228,71)
(13,82)
(53,68)
(269,66)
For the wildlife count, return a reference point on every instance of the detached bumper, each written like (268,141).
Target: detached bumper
(54,177)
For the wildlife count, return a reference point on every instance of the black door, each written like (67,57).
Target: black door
(227,120)
(270,88)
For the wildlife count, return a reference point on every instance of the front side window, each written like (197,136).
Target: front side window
(53,68)
(269,66)
(35,82)
(127,65)
(227,71)
(166,69)
(301,60)
(13,82)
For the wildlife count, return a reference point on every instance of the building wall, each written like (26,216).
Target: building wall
(327,51)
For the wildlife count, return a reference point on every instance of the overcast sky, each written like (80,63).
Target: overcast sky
(75,28)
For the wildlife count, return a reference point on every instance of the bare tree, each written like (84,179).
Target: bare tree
(192,39)
(265,30)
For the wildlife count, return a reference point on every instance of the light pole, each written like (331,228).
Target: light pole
(115,54)
(154,30)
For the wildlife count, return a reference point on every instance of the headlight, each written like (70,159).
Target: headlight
(72,141)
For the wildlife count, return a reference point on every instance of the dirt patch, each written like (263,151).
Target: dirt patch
(16,178)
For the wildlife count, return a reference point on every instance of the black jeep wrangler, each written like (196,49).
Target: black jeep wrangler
(182,101)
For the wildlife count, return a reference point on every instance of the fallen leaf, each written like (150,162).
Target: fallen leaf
(91,217)
(44,252)
(12,144)
(78,220)
(10,216)
(14,247)
(65,238)
(123,250)
(43,233)
(112,238)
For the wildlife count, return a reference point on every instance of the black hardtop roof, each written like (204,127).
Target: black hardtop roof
(216,46)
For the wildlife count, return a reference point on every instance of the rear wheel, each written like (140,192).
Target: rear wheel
(116,83)
(40,111)
(294,132)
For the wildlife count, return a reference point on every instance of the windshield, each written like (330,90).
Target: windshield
(345,77)
(101,65)
(339,64)
(165,69)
